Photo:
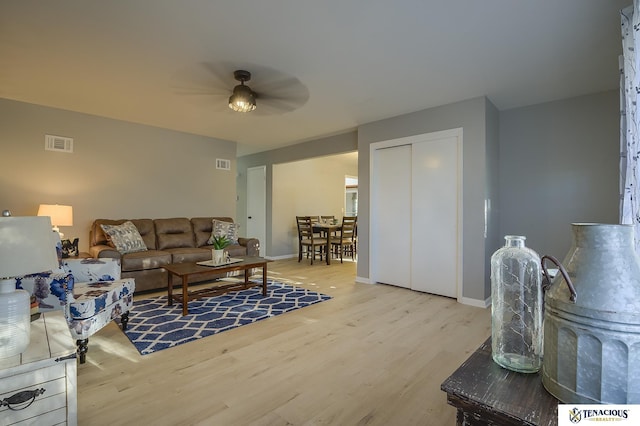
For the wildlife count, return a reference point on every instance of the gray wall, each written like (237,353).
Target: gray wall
(493,240)
(117,170)
(539,167)
(559,163)
(338,144)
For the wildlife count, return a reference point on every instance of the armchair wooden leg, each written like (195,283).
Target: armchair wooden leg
(83,348)
(124,320)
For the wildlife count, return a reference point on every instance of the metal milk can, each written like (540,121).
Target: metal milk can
(592,319)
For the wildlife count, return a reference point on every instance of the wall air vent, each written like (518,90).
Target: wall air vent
(223,164)
(58,143)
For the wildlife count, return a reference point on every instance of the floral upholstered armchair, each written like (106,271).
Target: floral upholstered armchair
(89,291)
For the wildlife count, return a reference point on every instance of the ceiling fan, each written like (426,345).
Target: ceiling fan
(270,91)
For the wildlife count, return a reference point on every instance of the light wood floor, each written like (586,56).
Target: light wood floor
(374,355)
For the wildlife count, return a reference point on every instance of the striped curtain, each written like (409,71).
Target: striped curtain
(630,120)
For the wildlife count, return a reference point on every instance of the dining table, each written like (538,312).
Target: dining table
(327,228)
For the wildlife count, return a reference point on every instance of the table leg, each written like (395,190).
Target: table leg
(328,246)
(185,296)
(264,279)
(170,290)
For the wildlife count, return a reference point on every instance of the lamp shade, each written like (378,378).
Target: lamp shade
(60,215)
(26,246)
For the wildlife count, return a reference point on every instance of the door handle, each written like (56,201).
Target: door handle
(249,217)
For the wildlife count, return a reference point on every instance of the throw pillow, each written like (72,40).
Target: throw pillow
(228,229)
(125,238)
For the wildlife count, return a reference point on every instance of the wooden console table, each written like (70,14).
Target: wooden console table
(39,385)
(486,394)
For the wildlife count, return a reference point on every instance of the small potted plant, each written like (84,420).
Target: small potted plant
(219,244)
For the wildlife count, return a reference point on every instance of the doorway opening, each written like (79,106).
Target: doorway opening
(351,196)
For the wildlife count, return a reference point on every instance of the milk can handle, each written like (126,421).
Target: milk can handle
(546,282)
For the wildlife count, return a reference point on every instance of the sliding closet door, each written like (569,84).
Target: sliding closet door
(391,216)
(435,216)
(416,208)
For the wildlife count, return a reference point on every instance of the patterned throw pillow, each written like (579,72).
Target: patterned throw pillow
(228,229)
(125,238)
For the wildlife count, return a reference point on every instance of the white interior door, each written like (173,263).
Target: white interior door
(390,250)
(435,216)
(257,205)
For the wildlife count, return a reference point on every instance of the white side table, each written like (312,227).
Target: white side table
(39,385)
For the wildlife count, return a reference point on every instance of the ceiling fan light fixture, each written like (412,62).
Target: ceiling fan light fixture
(242,99)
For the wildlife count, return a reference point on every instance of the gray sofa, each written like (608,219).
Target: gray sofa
(172,240)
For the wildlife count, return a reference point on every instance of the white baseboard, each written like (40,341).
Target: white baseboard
(478,303)
(281,257)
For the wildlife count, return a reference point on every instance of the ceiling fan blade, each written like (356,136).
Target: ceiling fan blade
(283,94)
(282,104)
(280,87)
(222,73)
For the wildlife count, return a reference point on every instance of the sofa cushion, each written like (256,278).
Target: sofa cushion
(125,238)
(227,229)
(189,254)
(91,298)
(149,259)
(174,233)
(202,227)
(234,250)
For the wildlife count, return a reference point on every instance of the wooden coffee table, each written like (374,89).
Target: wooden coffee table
(187,270)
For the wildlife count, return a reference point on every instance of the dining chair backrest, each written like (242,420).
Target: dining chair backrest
(349,227)
(305,227)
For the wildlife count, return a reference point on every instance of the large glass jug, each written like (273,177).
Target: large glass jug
(516,306)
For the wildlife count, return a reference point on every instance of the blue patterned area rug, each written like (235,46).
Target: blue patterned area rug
(154,326)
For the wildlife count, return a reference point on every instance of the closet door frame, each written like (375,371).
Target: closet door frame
(451,133)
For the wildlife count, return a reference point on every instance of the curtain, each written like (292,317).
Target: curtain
(630,120)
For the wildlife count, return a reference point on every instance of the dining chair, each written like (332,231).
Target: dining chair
(345,241)
(316,220)
(300,220)
(355,239)
(307,240)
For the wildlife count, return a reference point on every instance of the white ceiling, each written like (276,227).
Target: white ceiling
(150,61)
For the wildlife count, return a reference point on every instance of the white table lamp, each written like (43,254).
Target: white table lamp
(26,247)
(60,215)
